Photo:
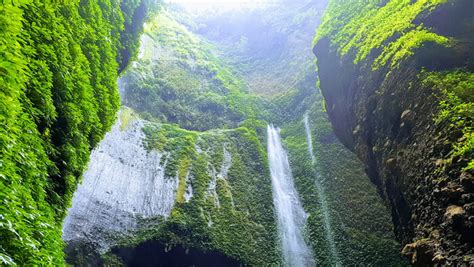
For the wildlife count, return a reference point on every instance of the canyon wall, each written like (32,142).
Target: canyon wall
(397,77)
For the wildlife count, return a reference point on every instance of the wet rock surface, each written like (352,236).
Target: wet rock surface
(387,118)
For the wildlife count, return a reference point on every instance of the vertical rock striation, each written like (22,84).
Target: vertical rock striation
(123,182)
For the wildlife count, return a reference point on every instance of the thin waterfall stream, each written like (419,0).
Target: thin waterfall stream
(322,196)
(290,214)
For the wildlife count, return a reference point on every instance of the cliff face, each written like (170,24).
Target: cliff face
(209,192)
(186,175)
(186,171)
(398,83)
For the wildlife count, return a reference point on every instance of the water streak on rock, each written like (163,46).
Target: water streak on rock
(322,196)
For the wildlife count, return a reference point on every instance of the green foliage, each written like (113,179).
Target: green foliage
(58,74)
(269,46)
(126,115)
(456,89)
(404,47)
(380,35)
(172,83)
(361,224)
(293,103)
(238,219)
(184,83)
(135,13)
(360,27)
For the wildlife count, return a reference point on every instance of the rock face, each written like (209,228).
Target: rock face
(389,116)
(112,198)
(206,192)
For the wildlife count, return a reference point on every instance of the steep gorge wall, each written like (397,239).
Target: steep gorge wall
(207,192)
(59,64)
(185,171)
(195,109)
(398,83)
(362,233)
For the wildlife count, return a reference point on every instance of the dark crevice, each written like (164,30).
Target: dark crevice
(154,253)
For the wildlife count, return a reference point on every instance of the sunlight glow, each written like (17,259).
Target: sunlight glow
(202,5)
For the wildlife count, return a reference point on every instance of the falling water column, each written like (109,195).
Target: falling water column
(324,204)
(290,213)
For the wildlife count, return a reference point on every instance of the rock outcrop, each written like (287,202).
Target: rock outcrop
(393,109)
(206,192)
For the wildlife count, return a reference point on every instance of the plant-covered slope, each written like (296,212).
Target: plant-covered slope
(205,191)
(59,65)
(179,79)
(268,46)
(274,57)
(230,209)
(388,26)
(334,185)
(397,79)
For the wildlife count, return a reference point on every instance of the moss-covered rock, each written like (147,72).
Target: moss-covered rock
(221,198)
(396,76)
(178,78)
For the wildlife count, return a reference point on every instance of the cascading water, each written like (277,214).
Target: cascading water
(290,213)
(324,204)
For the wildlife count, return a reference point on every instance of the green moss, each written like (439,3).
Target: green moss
(403,48)
(360,222)
(360,27)
(182,173)
(456,110)
(380,36)
(242,224)
(126,115)
(186,83)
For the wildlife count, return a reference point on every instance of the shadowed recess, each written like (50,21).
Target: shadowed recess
(154,253)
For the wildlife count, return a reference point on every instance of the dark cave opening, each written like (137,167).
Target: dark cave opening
(154,253)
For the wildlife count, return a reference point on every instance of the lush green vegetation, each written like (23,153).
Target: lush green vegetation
(456,93)
(269,46)
(236,216)
(180,80)
(177,70)
(402,66)
(59,65)
(390,31)
(361,27)
(184,89)
(361,224)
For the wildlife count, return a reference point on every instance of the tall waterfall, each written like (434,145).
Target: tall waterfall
(324,204)
(290,213)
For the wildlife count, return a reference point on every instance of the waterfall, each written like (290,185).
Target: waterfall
(322,196)
(290,213)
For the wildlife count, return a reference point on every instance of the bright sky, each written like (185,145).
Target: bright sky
(218,2)
(201,5)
